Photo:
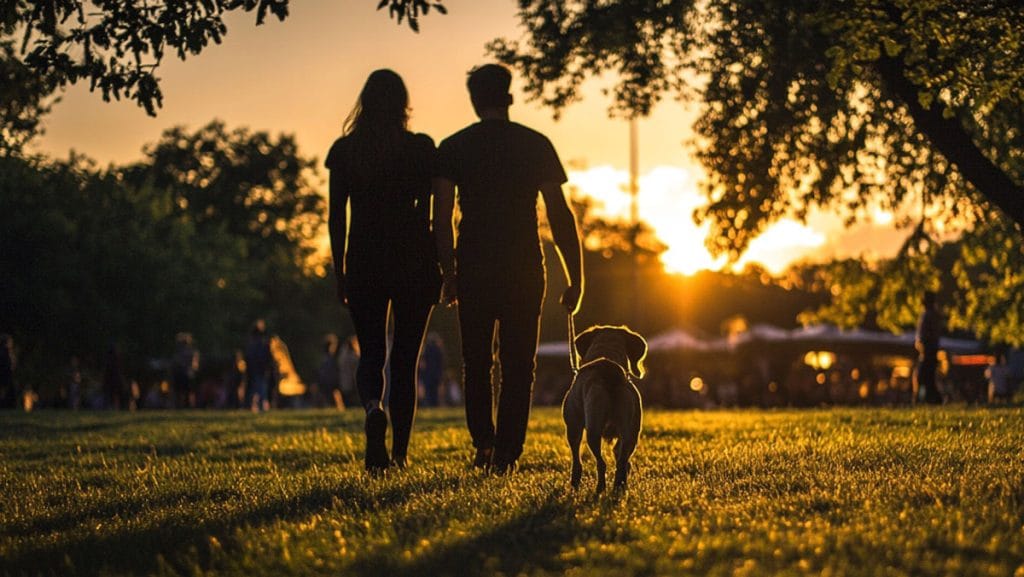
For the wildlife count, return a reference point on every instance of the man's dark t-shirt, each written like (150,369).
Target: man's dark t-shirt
(389,238)
(498,167)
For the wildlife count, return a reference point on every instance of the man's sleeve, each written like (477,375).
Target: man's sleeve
(549,167)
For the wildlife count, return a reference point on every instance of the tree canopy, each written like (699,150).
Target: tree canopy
(135,254)
(24,100)
(118,45)
(806,103)
(913,105)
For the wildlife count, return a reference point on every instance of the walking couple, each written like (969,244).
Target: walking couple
(389,255)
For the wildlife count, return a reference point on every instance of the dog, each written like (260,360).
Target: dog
(603,401)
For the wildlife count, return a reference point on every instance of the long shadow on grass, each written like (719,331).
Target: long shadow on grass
(183,538)
(525,543)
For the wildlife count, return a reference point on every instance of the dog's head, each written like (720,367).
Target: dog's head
(619,344)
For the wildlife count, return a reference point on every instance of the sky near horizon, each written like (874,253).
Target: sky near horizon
(303,75)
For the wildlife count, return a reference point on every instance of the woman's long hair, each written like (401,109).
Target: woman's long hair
(382,112)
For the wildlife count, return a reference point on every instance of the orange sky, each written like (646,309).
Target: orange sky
(302,76)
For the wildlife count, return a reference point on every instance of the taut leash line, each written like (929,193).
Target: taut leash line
(574,362)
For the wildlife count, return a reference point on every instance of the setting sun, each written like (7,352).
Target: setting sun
(668,198)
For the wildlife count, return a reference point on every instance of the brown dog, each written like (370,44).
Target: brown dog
(604,401)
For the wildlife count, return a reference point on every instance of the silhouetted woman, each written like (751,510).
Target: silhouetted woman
(384,256)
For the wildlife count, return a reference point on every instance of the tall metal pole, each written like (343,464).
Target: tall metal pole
(634,214)
(634,186)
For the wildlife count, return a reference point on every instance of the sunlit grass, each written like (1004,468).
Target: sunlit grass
(845,492)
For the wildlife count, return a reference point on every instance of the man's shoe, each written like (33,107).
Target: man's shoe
(376,450)
(483,458)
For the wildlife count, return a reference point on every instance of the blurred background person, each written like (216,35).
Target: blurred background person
(328,380)
(184,364)
(431,369)
(259,368)
(999,383)
(348,365)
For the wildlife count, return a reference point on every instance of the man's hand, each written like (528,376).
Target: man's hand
(449,291)
(571,299)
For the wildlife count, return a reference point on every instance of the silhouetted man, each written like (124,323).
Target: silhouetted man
(929,329)
(497,271)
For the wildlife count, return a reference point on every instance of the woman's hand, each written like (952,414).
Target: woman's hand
(571,299)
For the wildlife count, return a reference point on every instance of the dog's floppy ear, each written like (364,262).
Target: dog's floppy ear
(636,350)
(584,340)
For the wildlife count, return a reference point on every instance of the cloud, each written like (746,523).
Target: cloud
(669,196)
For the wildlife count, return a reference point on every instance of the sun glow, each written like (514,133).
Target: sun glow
(668,198)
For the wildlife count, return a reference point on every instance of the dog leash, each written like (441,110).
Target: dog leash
(574,362)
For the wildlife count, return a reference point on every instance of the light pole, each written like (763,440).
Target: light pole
(634,215)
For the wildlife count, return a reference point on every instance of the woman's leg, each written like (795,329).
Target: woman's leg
(370,316)
(411,317)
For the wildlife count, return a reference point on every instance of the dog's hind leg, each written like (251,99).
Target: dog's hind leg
(623,451)
(596,420)
(574,438)
(630,422)
(594,442)
(574,435)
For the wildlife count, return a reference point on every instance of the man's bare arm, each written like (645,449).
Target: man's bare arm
(444,206)
(567,241)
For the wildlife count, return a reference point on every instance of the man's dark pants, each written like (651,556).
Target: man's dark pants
(924,377)
(515,308)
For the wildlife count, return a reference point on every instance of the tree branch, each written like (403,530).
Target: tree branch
(951,139)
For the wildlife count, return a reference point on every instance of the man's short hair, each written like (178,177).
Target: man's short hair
(489,86)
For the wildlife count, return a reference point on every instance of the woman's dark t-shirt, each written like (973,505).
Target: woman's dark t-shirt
(390,245)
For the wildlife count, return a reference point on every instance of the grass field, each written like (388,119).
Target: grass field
(822,492)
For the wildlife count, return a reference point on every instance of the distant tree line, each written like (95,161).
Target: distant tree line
(213,229)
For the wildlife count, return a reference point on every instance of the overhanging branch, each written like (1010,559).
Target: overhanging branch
(951,139)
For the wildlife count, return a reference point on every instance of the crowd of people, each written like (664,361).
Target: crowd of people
(249,379)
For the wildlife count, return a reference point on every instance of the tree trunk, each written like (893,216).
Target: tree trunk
(949,137)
